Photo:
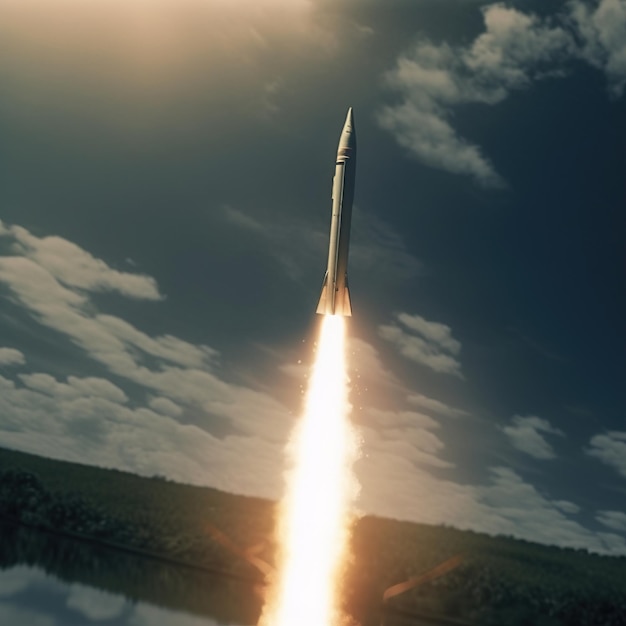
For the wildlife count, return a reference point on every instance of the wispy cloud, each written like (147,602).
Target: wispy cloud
(436,406)
(375,247)
(379,250)
(515,50)
(524,433)
(610,448)
(10,356)
(567,507)
(615,520)
(428,343)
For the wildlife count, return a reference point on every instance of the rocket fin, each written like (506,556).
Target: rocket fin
(347,304)
(322,306)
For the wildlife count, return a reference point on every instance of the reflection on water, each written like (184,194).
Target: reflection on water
(46,580)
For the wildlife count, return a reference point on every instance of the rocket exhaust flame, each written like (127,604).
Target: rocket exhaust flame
(314,516)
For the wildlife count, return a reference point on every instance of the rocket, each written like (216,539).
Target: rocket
(335,298)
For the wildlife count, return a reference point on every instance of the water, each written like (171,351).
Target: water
(46,580)
(49,580)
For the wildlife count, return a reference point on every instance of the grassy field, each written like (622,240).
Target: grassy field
(499,581)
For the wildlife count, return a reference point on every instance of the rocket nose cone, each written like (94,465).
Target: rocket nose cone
(349,125)
(347,140)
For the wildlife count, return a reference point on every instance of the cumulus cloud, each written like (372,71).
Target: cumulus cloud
(402,433)
(75,387)
(524,433)
(93,413)
(78,418)
(74,267)
(428,343)
(602,29)
(166,347)
(10,356)
(515,50)
(57,419)
(165,406)
(610,448)
(615,520)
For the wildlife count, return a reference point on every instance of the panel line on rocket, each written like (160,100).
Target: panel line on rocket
(335,297)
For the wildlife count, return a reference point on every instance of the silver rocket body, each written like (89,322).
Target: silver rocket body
(335,298)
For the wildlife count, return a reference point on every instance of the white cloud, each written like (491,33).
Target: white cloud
(10,356)
(401,434)
(612,543)
(166,347)
(63,419)
(147,615)
(17,579)
(610,448)
(365,360)
(434,332)
(431,138)
(94,604)
(74,267)
(395,484)
(385,418)
(165,406)
(241,219)
(602,27)
(89,418)
(434,347)
(566,506)
(430,404)
(17,615)
(524,434)
(52,418)
(615,520)
(515,50)
(414,446)
(90,387)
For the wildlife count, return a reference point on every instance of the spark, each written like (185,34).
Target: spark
(313,528)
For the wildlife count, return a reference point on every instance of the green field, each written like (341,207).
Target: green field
(499,581)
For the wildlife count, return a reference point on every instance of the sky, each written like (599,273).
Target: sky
(165,180)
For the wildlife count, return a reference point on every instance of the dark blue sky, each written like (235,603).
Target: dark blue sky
(165,174)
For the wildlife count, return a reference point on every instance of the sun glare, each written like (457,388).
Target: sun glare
(314,516)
